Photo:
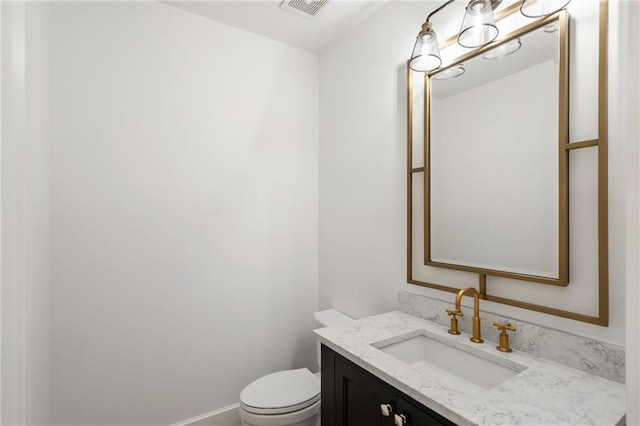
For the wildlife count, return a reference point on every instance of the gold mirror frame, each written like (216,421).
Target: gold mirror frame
(562,18)
(601,142)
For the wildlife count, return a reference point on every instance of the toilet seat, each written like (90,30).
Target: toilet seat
(281,393)
(279,410)
(309,416)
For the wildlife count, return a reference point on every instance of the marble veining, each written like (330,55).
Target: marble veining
(592,356)
(543,393)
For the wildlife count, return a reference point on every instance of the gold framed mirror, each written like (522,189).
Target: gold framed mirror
(496,170)
(583,294)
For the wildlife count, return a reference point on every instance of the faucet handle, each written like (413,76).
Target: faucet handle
(502,327)
(454,320)
(504,337)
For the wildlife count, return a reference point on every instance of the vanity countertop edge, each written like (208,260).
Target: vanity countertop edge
(555,394)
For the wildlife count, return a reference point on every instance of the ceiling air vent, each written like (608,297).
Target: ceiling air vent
(306,8)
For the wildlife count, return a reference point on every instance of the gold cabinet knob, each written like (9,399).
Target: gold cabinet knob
(454,321)
(504,337)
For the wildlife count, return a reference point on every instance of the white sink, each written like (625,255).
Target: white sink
(424,353)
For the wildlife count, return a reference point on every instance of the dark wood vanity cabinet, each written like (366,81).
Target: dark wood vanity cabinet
(351,396)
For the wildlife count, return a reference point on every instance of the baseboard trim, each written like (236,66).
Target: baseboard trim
(210,417)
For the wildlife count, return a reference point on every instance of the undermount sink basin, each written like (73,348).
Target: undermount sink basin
(423,353)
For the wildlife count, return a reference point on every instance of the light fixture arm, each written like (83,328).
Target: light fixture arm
(439,9)
(425,55)
(494,5)
(478,29)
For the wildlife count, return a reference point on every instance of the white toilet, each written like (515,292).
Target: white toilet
(287,398)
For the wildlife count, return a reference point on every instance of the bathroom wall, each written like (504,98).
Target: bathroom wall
(184,211)
(632,131)
(363,181)
(362,217)
(25,214)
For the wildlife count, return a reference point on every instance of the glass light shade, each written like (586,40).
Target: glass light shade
(552,27)
(505,49)
(453,72)
(479,25)
(426,52)
(540,8)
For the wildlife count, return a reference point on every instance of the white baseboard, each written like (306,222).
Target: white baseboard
(226,416)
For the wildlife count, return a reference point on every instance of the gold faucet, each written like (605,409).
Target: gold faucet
(475,337)
(504,337)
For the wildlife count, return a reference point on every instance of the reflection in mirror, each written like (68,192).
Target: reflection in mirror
(497,165)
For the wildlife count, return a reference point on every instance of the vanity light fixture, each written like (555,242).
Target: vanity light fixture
(478,29)
(426,52)
(479,25)
(425,56)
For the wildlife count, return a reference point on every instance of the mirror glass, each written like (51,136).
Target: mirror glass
(495,159)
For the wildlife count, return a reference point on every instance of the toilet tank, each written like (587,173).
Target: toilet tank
(329,318)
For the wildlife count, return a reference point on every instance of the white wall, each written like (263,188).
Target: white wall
(362,162)
(25,215)
(184,198)
(632,131)
(363,182)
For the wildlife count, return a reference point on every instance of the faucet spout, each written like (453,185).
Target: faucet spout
(470,291)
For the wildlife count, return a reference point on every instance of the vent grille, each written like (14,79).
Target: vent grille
(306,8)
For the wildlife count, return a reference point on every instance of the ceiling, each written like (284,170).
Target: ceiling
(266,18)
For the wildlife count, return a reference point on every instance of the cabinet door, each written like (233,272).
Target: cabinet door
(351,396)
(359,397)
(418,415)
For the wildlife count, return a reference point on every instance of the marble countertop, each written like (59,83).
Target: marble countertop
(544,393)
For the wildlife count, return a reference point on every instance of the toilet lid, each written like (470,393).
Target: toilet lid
(281,392)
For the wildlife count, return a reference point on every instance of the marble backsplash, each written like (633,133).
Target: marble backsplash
(595,357)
